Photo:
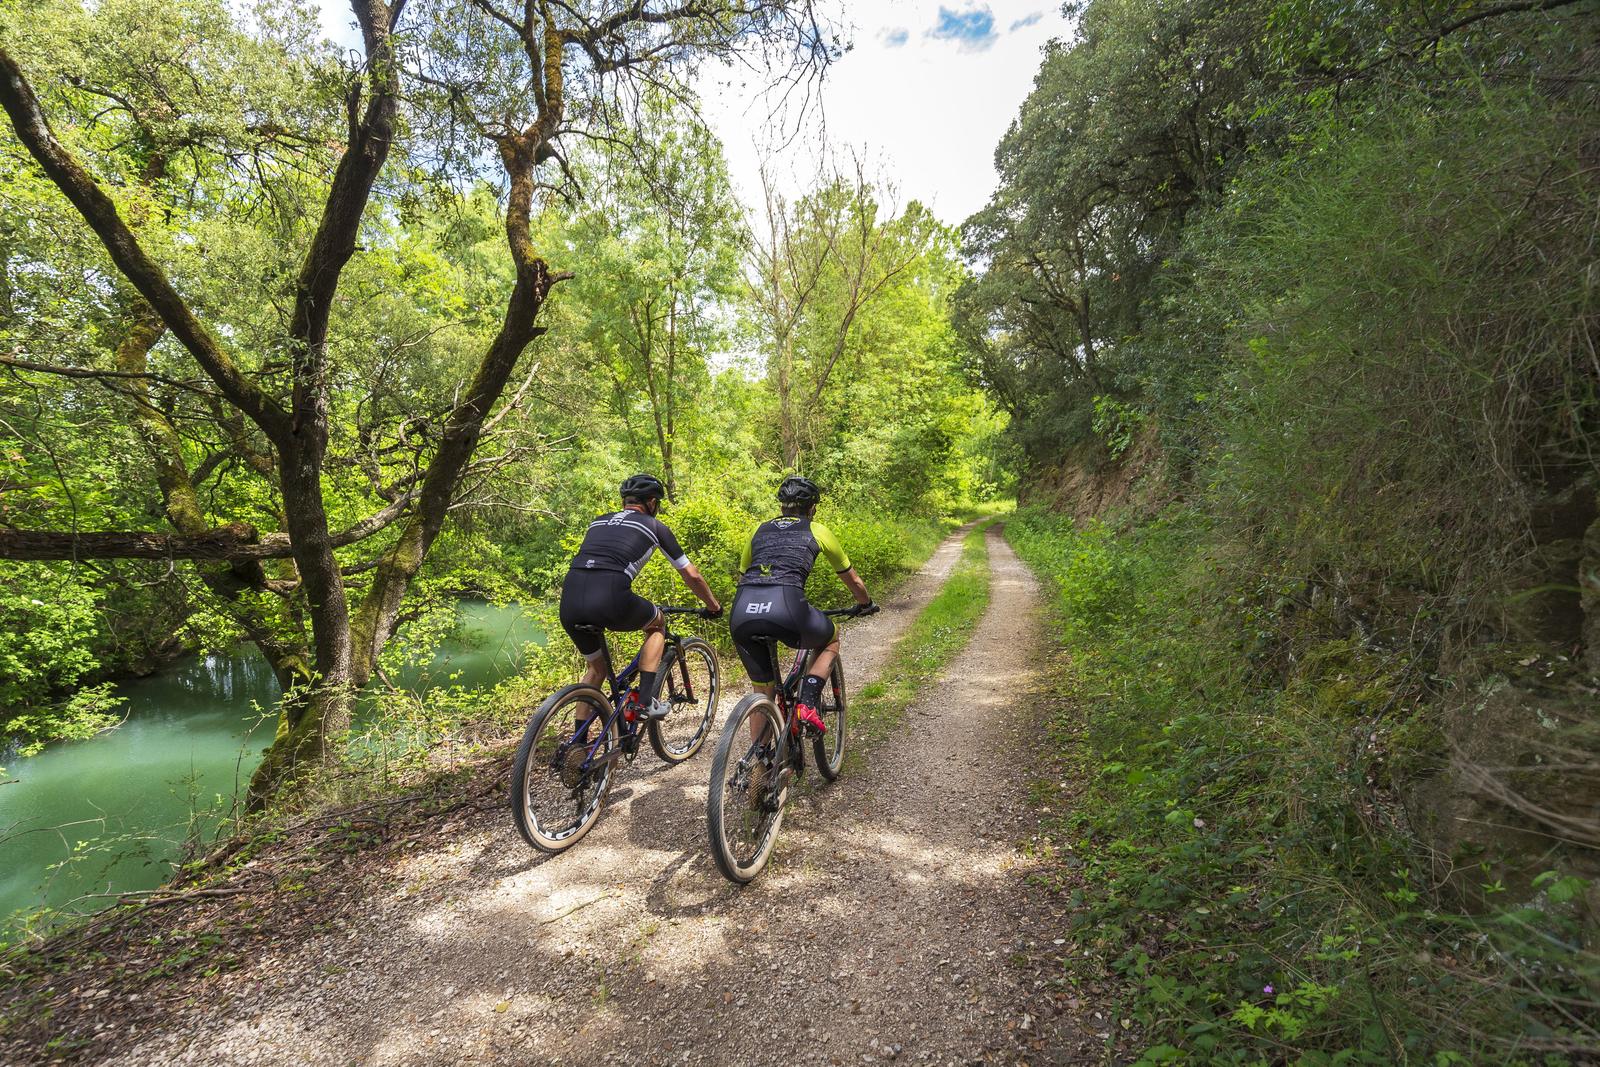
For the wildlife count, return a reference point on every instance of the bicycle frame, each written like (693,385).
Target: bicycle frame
(618,685)
(784,695)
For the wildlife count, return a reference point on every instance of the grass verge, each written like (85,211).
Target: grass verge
(1225,849)
(940,632)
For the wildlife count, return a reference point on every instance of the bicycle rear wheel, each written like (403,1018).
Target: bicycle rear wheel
(829,747)
(743,812)
(694,708)
(557,785)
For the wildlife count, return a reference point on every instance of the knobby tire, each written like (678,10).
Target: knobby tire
(828,748)
(685,729)
(741,828)
(539,794)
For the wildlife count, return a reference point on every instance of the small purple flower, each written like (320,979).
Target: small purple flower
(1267,990)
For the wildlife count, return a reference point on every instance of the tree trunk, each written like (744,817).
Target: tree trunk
(788,428)
(380,611)
(660,400)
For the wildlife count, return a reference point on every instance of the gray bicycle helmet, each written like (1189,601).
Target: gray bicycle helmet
(643,487)
(798,492)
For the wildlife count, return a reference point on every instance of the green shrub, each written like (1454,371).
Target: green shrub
(1227,854)
(1387,334)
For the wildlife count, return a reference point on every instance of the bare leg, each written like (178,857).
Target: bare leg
(758,727)
(655,642)
(824,661)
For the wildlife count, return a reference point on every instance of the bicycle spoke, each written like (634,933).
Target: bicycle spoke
(562,773)
(692,686)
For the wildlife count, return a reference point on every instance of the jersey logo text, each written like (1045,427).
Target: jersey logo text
(758,607)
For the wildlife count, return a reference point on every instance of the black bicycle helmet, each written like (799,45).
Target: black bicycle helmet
(643,487)
(798,492)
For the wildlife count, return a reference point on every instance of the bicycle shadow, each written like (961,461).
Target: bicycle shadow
(688,886)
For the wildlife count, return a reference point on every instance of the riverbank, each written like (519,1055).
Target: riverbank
(82,821)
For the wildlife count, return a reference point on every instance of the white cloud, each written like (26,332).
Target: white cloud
(928,112)
(926,106)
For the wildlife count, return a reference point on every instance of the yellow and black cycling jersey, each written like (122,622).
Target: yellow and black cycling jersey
(782,551)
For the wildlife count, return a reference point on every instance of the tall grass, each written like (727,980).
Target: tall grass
(1227,848)
(938,634)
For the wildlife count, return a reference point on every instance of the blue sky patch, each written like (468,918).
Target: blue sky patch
(1027,20)
(972,28)
(896,37)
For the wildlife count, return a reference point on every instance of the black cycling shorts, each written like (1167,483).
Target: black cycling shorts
(779,611)
(604,599)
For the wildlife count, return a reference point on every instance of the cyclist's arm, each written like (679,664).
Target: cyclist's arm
(841,563)
(697,585)
(857,587)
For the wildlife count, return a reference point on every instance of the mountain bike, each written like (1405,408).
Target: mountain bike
(761,753)
(574,742)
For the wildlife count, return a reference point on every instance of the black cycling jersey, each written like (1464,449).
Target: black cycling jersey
(782,551)
(623,540)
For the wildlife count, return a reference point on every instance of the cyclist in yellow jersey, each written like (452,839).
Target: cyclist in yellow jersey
(771,602)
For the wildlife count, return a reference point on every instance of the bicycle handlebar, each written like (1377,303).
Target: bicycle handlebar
(852,611)
(704,613)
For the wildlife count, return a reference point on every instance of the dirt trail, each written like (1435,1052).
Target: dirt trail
(891,924)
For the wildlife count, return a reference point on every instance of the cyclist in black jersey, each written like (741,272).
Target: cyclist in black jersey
(771,602)
(598,590)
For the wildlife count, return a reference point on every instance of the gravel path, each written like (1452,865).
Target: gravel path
(893,923)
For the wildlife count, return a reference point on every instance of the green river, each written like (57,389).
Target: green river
(124,801)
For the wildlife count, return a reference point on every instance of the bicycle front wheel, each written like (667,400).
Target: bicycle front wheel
(564,768)
(829,747)
(691,683)
(744,809)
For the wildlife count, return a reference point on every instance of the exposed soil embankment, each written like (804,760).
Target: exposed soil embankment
(1088,480)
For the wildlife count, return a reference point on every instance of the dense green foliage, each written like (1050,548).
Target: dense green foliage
(1339,259)
(1330,266)
(217,132)
(1228,839)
